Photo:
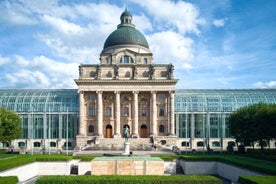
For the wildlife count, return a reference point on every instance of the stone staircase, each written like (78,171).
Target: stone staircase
(118,144)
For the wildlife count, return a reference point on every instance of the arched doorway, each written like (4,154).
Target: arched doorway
(108,131)
(144,131)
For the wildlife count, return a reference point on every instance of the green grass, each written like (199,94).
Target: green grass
(145,179)
(257,179)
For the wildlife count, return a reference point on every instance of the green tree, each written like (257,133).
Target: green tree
(10,127)
(253,123)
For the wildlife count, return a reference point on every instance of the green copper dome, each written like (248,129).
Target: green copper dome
(126,34)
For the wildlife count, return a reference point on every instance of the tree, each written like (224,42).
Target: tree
(10,127)
(253,123)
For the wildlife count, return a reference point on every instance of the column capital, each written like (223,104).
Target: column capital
(172,92)
(80,91)
(117,92)
(99,92)
(153,92)
(135,92)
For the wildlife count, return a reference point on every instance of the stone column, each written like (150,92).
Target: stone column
(100,112)
(82,114)
(136,113)
(117,115)
(154,113)
(172,113)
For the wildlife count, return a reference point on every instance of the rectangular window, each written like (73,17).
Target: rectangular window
(126,111)
(109,111)
(144,111)
(145,61)
(91,111)
(161,110)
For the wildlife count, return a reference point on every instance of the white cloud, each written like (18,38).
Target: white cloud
(170,47)
(4,61)
(62,25)
(219,22)
(182,15)
(40,72)
(270,84)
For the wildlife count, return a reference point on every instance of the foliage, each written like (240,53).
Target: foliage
(113,179)
(253,123)
(85,157)
(257,179)
(10,127)
(8,179)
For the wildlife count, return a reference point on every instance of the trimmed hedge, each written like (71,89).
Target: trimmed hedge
(257,179)
(113,179)
(8,179)
(86,157)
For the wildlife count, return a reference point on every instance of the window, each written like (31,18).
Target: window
(36,144)
(144,111)
(21,144)
(91,110)
(185,144)
(200,144)
(109,111)
(161,110)
(145,60)
(53,144)
(92,96)
(126,111)
(126,60)
(161,129)
(215,144)
(91,129)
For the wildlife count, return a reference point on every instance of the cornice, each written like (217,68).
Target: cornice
(110,81)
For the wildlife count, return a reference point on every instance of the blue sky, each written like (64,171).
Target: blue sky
(212,43)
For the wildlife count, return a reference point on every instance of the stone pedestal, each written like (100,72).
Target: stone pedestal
(127,166)
(126,151)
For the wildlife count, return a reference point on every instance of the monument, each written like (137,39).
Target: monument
(126,144)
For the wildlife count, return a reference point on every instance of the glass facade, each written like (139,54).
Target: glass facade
(45,113)
(203,113)
(200,114)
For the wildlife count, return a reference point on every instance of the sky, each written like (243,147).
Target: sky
(221,44)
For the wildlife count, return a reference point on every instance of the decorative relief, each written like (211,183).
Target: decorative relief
(109,74)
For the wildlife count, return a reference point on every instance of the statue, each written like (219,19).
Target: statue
(151,72)
(98,72)
(116,68)
(134,72)
(170,71)
(126,134)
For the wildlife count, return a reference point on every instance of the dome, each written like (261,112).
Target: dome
(126,34)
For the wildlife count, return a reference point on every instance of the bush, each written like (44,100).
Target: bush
(257,179)
(113,179)
(8,179)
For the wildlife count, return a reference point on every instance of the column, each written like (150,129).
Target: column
(117,114)
(136,113)
(193,125)
(172,131)
(82,114)
(154,113)
(100,112)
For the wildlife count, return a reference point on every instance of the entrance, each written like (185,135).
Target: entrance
(144,131)
(108,131)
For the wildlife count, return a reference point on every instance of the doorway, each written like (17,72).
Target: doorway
(108,131)
(144,131)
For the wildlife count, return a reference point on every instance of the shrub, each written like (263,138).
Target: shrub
(8,179)
(257,179)
(145,179)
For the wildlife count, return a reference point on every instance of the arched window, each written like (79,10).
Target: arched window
(161,129)
(185,144)
(5,144)
(126,60)
(53,144)
(215,144)
(231,143)
(21,144)
(200,144)
(37,144)
(91,129)
(69,144)
(163,142)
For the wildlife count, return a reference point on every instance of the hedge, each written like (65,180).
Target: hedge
(8,179)
(126,179)
(257,179)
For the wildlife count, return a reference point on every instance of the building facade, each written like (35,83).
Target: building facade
(127,89)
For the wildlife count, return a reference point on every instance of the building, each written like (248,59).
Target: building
(127,89)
